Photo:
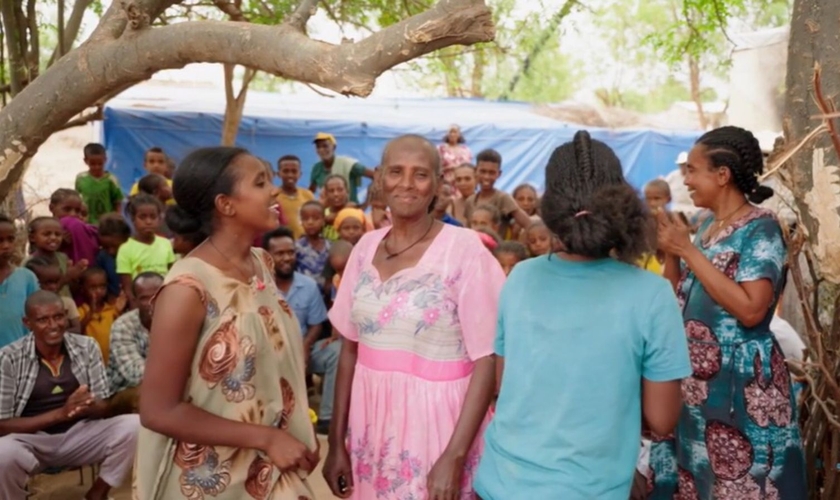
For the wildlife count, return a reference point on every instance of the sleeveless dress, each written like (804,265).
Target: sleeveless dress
(420,333)
(248,366)
(738,435)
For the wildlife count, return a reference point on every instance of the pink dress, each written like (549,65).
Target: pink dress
(419,334)
(452,157)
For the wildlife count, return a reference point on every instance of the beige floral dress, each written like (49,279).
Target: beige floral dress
(248,366)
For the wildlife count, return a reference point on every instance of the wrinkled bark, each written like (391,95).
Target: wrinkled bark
(125,49)
(813,80)
(234,103)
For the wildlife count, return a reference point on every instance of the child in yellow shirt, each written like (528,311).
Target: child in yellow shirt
(97,315)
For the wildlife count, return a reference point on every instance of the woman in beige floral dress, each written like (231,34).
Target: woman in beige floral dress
(223,402)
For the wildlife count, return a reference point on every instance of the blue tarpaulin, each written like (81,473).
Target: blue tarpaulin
(180,120)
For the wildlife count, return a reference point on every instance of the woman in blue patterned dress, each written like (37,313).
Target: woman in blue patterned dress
(738,436)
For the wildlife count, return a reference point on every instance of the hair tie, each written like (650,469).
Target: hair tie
(582,213)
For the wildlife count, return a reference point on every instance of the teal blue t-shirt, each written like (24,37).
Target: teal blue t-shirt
(577,338)
(14,291)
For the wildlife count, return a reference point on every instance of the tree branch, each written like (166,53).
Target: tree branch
(547,33)
(305,10)
(84,118)
(129,13)
(232,11)
(101,66)
(71,29)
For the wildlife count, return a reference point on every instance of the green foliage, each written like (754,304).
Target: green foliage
(699,28)
(487,70)
(661,98)
(647,38)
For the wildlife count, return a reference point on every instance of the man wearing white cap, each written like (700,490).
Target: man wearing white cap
(330,163)
(680,199)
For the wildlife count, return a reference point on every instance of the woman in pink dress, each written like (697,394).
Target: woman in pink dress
(417,310)
(453,153)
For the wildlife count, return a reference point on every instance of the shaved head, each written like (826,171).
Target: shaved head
(41,298)
(413,142)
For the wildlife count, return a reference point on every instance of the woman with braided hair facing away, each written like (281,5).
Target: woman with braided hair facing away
(589,344)
(738,436)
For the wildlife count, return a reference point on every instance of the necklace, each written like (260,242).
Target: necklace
(723,221)
(390,255)
(252,280)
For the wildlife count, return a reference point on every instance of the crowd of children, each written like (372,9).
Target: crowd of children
(97,242)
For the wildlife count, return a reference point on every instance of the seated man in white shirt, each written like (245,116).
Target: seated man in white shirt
(307,302)
(52,405)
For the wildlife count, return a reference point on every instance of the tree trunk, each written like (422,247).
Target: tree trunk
(234,103)
(479,65)
(125,39)
(696,94)
(15,32)
(814,178)
(71,29)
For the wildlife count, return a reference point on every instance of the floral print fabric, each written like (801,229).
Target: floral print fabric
(419,333)
(248,367)
(738,436)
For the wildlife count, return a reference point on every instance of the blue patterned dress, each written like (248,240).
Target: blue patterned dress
(738,436)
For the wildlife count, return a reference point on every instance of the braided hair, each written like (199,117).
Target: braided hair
(589,205)
(739,151)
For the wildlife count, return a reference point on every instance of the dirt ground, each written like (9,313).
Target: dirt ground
(66,486)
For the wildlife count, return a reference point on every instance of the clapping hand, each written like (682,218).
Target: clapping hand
(121,302)
(673,236)
(78,403)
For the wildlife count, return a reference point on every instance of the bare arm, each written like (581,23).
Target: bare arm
(521,218)
(125,283)
(176,325)
(671,272)
(313,333)
(476,402)
(343,390)
(98,409)
(661,405)
(31,425)
(748,301)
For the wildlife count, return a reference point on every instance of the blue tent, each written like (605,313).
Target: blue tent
(179,120)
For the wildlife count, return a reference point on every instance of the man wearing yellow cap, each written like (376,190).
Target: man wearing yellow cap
(330,163)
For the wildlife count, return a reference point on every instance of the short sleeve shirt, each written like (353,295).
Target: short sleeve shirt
(102,195)
(320,173)
(291,204)
(578,337)
(306,301)
(14,291)
(135,257)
